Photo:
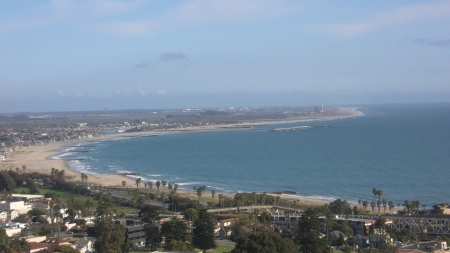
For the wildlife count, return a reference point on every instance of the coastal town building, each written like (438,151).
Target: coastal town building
(135,231)
(20,206)
(283,220)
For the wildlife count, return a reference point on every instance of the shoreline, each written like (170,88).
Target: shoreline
(38,158)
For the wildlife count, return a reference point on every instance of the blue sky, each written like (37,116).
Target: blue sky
(88,55)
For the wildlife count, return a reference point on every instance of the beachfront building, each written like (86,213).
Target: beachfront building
(26,197)
(360,224)
(135,231)
(41,203)
(20,206)
(283,220)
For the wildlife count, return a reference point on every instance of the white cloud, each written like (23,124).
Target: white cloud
(402,16)
(206,13)
(141,90)
(61,93)
(161,92)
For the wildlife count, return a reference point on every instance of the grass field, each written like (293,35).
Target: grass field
(66,196)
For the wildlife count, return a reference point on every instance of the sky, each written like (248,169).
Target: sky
(67,55)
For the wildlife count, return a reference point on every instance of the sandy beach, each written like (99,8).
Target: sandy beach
(36,158)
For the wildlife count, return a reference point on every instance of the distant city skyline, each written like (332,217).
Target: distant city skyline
(65,55)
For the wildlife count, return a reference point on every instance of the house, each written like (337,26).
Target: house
(3,216)
(222,233)
(443,208)
(335,235)
(19,206)
(361,240)
(84,245)
(36,247)
(13,214)
(59,210)
(375,240)
(41,203)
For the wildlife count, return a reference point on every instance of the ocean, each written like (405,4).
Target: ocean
(401,149)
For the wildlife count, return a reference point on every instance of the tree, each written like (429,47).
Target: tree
(158,183)
(264,241)
(176,245)
(213,193)
(374,192)
(88,203)
(148,214)
(203,233)
(110,236)
(346,229)
(163,183)
(124,183)
(391,205)
(7,183)
(138,182)
(308,234)
(380,224)
(153,237)
(340,207)
(66,249)
(265,217)
(175,229)
(379,193)
(365,204)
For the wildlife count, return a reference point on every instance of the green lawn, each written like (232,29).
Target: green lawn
(220,249)
(65,196)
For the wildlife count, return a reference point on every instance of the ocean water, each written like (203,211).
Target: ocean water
(401,149)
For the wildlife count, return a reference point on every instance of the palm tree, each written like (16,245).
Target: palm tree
(175,187)
(199,193)
(195,189)
(145,186)
(138,182)
(406,205)
(213,193)
(164,183)
(384,202)
(359,201)
(391,205)
(372,204)
(150,185)
(379,193)
(365,204)
(278,200)
(265,216)
(375,193)
(158,183)
(124,184)
(253,199)
(221,200)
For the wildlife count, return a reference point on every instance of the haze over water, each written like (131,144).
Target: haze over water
(400,149)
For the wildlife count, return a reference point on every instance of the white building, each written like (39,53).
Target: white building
(20,206)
